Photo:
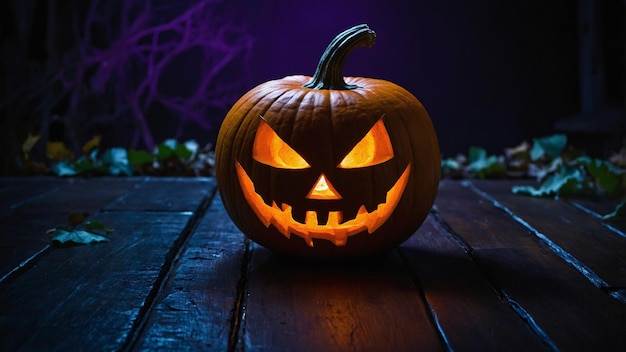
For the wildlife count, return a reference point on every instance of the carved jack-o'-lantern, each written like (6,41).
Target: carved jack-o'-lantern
(327,167)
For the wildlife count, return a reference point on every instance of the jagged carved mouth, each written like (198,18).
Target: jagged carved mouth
(334,230)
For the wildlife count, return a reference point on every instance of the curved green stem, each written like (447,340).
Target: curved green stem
(329,72)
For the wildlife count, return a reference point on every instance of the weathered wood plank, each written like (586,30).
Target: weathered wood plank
(24,228)
(461,207)
(468,308)
(166,194)
(195,310)
(17,191)
(369,304)
(90,296)
(573,313)
(578,233)
(84,195)
(24,236)
(599,208)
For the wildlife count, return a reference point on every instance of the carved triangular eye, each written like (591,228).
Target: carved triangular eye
(270,149)
(373,149)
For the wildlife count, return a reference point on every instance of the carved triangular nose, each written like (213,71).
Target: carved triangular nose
(323,189)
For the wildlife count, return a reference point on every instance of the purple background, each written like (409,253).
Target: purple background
(490,73)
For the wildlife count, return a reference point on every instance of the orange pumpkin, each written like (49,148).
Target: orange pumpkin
(328,167)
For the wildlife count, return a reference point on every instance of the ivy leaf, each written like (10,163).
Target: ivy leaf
(185,151)
(607,176)
(568,181)
(182,152)
(84,165)
(451,166)
(64,238)
(481,165)
(63,168)
(166,149)
(192,146)
(551,146)
(139,157)
(116,161)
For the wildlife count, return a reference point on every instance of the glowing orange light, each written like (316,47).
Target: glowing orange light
(323,189)
(271,150)
(334,230)
(374,148)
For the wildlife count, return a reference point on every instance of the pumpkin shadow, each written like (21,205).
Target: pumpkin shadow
(487,272)
(381,271)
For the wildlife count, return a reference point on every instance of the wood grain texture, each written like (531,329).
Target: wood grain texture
(46,203)
(196,309)
(18,191)
(370,304)
(468,307)
(597,208)
(165,194)
(475,277)
(84,195)
(88,297)
(576,232)
(573,313)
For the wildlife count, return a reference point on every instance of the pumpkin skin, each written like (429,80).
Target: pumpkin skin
(284,153)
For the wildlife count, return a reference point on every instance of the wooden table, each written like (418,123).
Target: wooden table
(488,270)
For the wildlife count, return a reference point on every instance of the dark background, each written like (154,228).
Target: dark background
(491,73)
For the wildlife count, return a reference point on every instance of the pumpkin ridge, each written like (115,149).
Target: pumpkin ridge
(432,144)
(321,123)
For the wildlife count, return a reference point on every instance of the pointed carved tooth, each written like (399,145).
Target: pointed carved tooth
(275,206)
(374,222)
(310,218)
(278,220)
(334,218)
(285,207)
(309,241)
(361,215)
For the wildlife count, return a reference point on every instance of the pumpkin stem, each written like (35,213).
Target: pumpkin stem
(329,73)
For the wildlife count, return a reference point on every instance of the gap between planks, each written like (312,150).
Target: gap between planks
(167,269)
(239,309)
(502,294)
(614,292)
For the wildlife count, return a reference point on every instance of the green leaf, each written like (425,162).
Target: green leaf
(139,157)
(482,166)
(166,149)
(450,164)
(476,154)
(84,165)
(63,168)
(171,143)
(63,238)
(182,152)
(606,175)
(116,161)
(192,146)
(552,146)
(568,181)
